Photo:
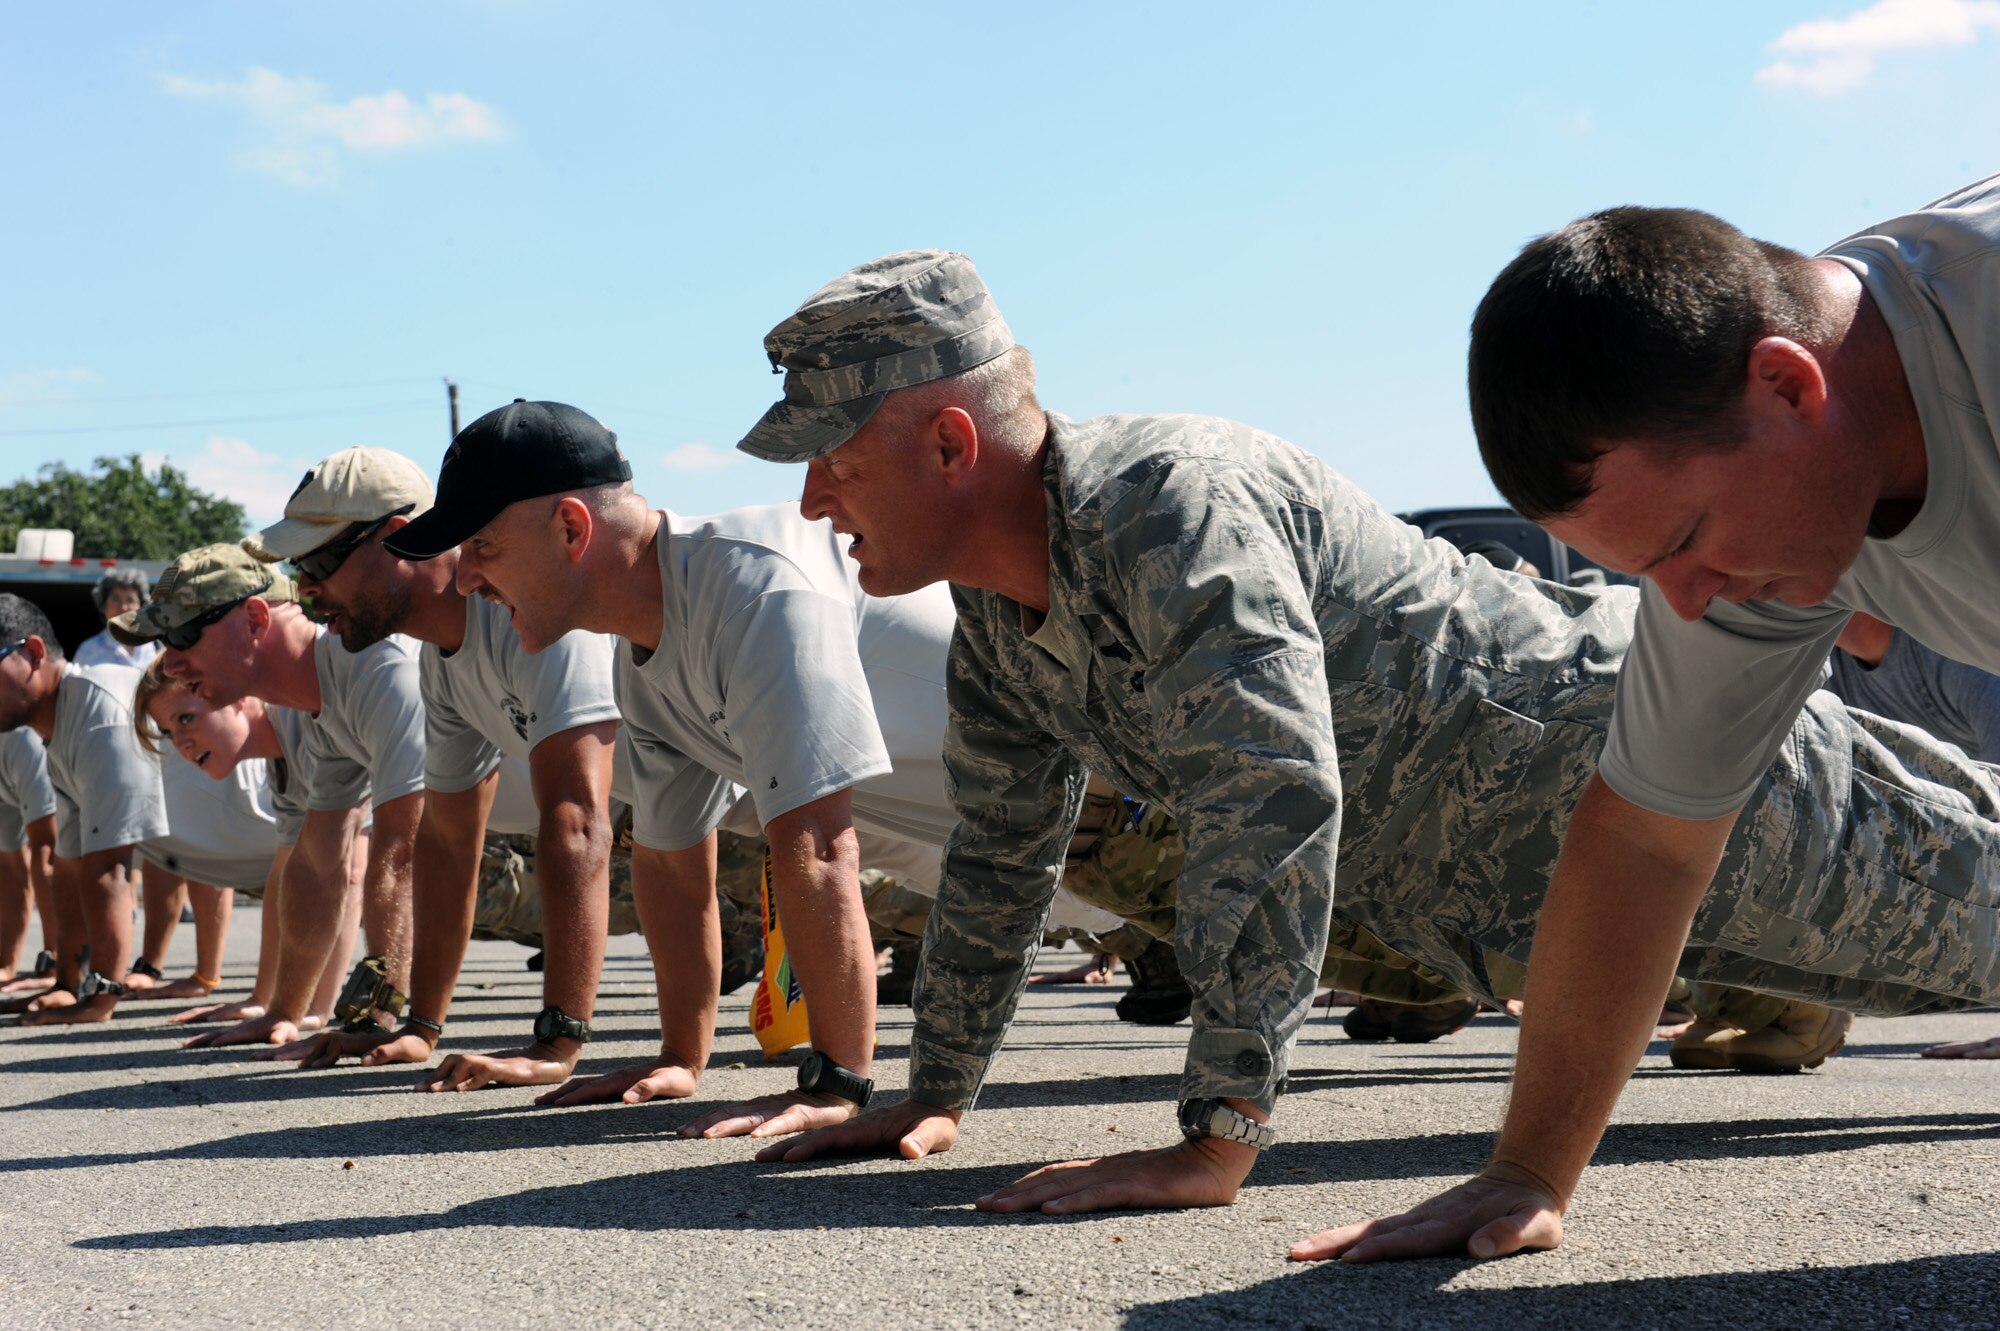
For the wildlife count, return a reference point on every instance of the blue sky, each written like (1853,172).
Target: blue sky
(242,236)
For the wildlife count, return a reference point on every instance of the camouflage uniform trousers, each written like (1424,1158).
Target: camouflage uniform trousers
(1127,859)
(1863,873)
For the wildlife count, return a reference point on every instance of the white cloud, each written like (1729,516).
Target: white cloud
(1834,55)
(699,457)
(18,387)
(301,132)
(236,469)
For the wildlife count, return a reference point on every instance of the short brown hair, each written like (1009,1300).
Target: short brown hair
(153,682)
(1628,324)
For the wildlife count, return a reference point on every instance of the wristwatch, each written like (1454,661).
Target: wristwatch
(1213,1118)
(555,1024)
(822,1076)
(93,983)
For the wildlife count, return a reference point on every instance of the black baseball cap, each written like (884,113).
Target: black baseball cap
(522,451)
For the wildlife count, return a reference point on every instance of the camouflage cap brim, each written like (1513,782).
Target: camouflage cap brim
(133,631)
(800,432)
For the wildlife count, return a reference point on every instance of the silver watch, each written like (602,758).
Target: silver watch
(1213,1118)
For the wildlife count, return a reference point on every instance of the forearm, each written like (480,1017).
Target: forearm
(386,890)
(446,897)
(818,893)
(572,869)
(1611,933)
(310,905)
(14,898)
(978,946)
(212,908)
(675,896)
(107,910)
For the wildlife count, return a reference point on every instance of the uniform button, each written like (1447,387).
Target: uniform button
(1251,1063)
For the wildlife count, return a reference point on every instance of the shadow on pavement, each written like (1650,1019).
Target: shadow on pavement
(720,1196)
(1957,1291)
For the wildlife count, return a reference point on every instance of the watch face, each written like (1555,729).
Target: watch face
(810,1069)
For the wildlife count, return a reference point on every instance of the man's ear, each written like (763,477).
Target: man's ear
(954,442)
(257,615)
(575,525)
(36,649)
(1783,372)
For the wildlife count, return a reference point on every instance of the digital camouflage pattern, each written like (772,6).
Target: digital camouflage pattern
(903,319)
(200,580)
(1334,708)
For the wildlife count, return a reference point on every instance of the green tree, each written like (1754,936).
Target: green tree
(118,511)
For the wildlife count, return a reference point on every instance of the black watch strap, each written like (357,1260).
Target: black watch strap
(141,966)
(93,983)
(555,1024)
(822,1076)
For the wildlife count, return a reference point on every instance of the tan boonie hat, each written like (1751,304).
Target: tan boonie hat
(354,485)
(200,581)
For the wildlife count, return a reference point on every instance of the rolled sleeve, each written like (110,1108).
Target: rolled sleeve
(1243,730)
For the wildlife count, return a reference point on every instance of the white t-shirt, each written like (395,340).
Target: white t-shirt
(224,833)
(101,648)
(1703,707)
(777,673)
(25,793)
(368,738)
(492,699)
(107,784)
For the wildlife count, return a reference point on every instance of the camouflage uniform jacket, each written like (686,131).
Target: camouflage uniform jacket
(1241,635)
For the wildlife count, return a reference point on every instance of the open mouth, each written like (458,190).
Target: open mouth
(201,759)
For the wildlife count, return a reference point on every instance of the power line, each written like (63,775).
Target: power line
(378,409)
(215,392)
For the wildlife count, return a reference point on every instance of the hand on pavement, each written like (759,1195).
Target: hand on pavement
(217,1012)
(910,1128)
(536,1065)
(266,1029)
(1489,1215)
(186,987)
(1203,1172)
(1966,1049)
(327,1048)
(773,1116)
(661,1079)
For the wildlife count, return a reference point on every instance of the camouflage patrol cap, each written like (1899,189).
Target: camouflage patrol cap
(198,582)
(900,320)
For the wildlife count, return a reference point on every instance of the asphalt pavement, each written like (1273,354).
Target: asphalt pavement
(141,1185)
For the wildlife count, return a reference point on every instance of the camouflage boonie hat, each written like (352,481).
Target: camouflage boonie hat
(198,582)
(900,320)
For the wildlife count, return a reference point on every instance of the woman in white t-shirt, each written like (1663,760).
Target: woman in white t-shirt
(216,740)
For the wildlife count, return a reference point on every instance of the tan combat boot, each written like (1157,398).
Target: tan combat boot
(1803,1036)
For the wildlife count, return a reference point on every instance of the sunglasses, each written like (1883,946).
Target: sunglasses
(12,647)
(183,636)
(323,563)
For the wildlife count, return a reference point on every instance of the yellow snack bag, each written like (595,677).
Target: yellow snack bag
(778,1012)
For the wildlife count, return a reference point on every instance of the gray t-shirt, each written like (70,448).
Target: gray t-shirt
(491,699)
(290,775)
(25,793)
(1958,703)
(224,833)
(777,673)
(368,738)
(1703,706)
(107,784)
